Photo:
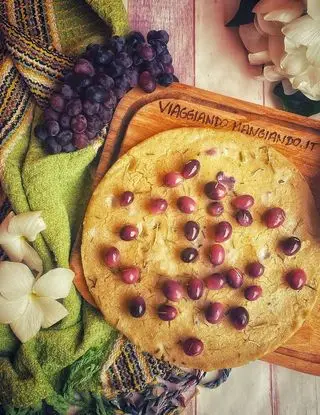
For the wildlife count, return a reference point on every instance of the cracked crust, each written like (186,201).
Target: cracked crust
(259,170)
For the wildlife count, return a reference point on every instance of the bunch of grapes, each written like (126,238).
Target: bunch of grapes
(100,77)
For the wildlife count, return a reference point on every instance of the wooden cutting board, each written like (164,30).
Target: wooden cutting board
(139,116)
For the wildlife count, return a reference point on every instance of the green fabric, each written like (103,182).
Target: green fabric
(48,367)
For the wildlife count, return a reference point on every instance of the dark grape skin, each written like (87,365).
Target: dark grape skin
(53,127)
(137,306)
(214,312)
(191,230)
(124,59)
(215,281)
(90,108)
(189,255)
(195,288)
(52,146)
(80,140)
(134,38)
(65,121)
(274,217)
(66,91)
(84,67)
(129,233)
(191,169)
(147,82)
(244,218)
(255,269)
(234,278)
(222,231)
(126,198)
(78,123)
(165,79)
(105,114)
(64,137)
(69,148)
(296,278)
(57,102)
(216,254)
(192,346)
(253,292)
(116,43)
(215,190)
(172,290)
(239,317)
(50,114)
(167,312)
(146,52)
(290,246)
(96,93)
(112,257)
(215,208)
(41,132)
(105,80)
(74,107)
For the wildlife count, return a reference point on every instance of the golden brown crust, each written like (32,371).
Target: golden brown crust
(259,170)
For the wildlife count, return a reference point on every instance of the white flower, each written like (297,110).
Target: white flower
(301,62)
(14,231)
(28,304)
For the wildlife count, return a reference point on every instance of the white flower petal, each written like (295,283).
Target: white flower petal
(11,310)
(52,311)
(259,58)
(272,73)
(303,31)
(308,83)
(286,15)
(252,39)
(294,63)
(31,257)
(264,27)
(29,323)
(290,46)
(287,87)
(230,8)
(4,234)
(55,283)
(314,9)
(16,280)
(266,6)
(14,249)
(276,48)
(28,224)
(313,53)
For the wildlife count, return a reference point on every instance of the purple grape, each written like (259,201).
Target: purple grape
(74,107)
(65,121)
(168,68)
(192,346)
(66,91)
(234,278)
(165,79)
(172,290)
(130,275)
(52,146)
(82,82)
(290,246)
(255,269)
(53,127)
(132,76)
(110,100)
(84,67)
(105,80)
(172,179)
(253,292)
(120,93)
(115,70)
(129,233)
(154,67)
(78,123)
(137,60)
(273,218)
(217,254)
(215,208)
(91,134)
(50,114)
(90,108)
(215,281)
(160,35)
(186,204)
(122,82)
(244,217)
(134,38)
(158,46)
(146,52)
(80,140)
(147,82)
(124,59)
(126,198)
(57,102)
(167,312)
(112,257)
(165,58)
(214,312)
(195,288)
(152,35)
(116,43)
(190,169)
(215,190)
(158,206)
(239,317)
(105,114)
(191,230)
(94,123)
(96,93)
(189,255)
(243,202)
(222,231)
(92,50)
(41,132)
(296,278)
(69,148)
(64,137)
(137,307)
(103,56)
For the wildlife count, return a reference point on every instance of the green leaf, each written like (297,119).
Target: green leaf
(297,103)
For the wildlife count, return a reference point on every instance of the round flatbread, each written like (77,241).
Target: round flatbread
(258,170)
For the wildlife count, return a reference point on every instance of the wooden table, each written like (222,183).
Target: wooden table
(210,56)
